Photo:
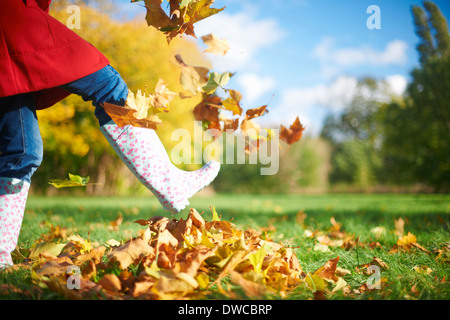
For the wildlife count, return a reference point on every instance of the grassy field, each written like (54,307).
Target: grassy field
(413,274)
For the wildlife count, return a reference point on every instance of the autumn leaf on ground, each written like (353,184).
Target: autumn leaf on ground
(73,181)
(293,134)
(216,45)
(130,252)
(192,78)
(406,240)
(399,227)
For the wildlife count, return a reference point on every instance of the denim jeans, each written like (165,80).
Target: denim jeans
(21,148)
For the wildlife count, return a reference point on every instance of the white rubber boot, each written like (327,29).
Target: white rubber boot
(13,197)
(144,154)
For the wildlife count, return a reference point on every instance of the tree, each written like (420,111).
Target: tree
(355,136)
(417,130)
(432,31)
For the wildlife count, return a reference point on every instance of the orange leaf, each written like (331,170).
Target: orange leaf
(256,112)
(293,134)
(124,116)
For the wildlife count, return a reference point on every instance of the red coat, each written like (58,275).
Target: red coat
(38,53)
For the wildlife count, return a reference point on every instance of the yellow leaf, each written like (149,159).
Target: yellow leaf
(257,258)
(162,97)
(192,78)
(216,45)
(51,247)
(407,240)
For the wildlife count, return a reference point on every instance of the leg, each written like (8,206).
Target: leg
(105,85)
(140,149)
(20,156)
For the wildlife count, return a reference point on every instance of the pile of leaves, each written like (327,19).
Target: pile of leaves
(176,259)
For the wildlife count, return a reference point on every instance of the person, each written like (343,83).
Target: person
(41,62)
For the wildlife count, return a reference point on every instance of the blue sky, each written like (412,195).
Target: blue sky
(305,56)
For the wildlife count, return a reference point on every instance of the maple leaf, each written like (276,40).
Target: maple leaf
(130,252)
(216,45)
(256,112)
(207,111)
(156,17)
(162,97)
(406,241)
(110,282)
(233,102)
(399,227)
(196,11)
(137,108)
(73,181)
(192,78)
(230,124)
(293,134)
(328,270)
(216,80)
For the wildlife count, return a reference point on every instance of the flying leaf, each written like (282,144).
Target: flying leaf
(233,102)
(256,112)
(73,181)
(293,134)
(216,80)
(156,17)
(216,45)
(162,97)
(192,78)
(124,116)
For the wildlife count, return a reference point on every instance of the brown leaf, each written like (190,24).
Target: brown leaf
(124,116)
(110,282)
(233,102)
(256,112)
(252,289)
(399,227)
(293,134)
(328,270)
(192,78)
(156,17)
(95,254)
(130,252)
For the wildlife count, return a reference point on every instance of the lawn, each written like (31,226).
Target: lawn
(307,223)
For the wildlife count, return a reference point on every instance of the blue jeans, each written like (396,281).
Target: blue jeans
(21,148)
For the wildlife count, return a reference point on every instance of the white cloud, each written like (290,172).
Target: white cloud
(397,83)
(255,86)
(334,96)
(246,35)
(393,54)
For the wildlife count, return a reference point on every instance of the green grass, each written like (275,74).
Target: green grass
(426,216)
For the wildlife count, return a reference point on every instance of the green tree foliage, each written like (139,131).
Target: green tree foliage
(355,136)
(417,130)
(303,167)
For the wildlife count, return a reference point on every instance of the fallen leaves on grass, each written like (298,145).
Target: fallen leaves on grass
(179,259)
